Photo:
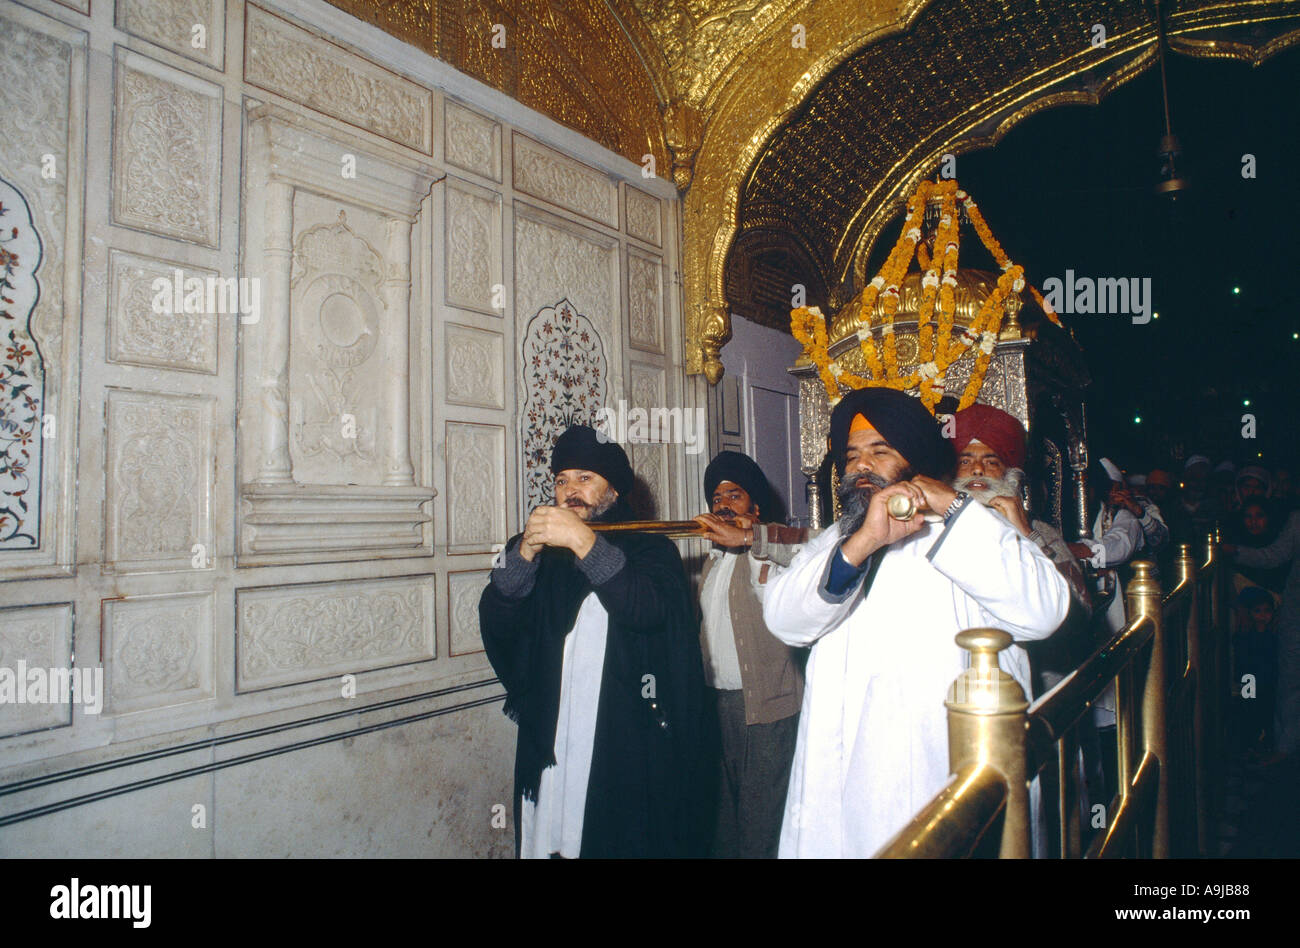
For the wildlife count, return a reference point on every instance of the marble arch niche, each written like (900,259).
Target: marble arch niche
(325,458)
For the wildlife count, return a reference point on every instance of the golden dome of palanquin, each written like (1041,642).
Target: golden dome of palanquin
(973,288)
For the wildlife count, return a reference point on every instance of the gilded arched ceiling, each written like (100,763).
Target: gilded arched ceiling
(794,125)
(831,176)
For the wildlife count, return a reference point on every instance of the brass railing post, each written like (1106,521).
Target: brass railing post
(1198,668)
(987,724)
(1218,670)
(1145,600)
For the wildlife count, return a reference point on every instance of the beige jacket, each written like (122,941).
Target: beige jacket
(771,674)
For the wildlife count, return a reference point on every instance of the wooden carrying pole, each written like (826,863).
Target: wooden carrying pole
(667,528)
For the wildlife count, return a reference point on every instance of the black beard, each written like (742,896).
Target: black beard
(855,496)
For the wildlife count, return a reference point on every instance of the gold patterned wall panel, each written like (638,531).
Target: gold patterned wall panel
(573,61)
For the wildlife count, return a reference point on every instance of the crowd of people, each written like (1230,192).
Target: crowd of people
(794,705)
(1254,510)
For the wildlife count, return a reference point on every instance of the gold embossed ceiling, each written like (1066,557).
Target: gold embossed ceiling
(963,74)
(637,76)
(576,61)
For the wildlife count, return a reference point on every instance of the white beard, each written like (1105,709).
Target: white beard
(1008,486)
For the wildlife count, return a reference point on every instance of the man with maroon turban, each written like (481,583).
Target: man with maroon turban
(990,446)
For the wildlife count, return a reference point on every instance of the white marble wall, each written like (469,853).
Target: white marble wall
(284,519)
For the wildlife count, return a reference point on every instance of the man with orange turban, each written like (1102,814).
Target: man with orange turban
(880,601)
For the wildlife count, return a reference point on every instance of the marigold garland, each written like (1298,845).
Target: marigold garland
(937,350)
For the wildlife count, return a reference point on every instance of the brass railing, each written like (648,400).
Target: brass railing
(1169,667)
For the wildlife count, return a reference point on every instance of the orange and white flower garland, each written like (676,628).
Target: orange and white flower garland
(937,349)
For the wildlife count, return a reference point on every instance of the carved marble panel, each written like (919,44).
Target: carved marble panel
(158,650)
(475,361)
(166,151)
(43,78)
(645,302)
(138,334)
(195,29)
(40,637)
(336,349)
(472,141)
(463,592)
(649,456)
(291,634)
(644,216)
(476,487)
(160,459)
(556,260)
(552,176)
(650,462)
(311,71)
(565,381)
(325,414)
(473,249)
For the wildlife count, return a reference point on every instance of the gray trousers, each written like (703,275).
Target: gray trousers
(752,782)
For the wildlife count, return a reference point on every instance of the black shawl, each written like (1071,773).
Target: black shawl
(642,795)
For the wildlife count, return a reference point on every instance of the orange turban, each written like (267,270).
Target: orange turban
(860,423)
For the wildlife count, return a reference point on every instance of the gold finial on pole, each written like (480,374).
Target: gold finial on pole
(1011,324)
(986,724)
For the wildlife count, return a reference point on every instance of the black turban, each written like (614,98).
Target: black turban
(580,448)
(739,469)
(903,421)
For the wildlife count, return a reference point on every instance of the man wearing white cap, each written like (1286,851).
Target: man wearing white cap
(1116,531)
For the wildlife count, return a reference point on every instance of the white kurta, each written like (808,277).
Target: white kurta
(554,823)
(873,734)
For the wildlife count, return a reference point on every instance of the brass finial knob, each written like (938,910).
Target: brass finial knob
(984,641)
(985,688)
(1143,593)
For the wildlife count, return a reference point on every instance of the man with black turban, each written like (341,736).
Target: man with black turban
(755,680)
(594,638)
(880,601)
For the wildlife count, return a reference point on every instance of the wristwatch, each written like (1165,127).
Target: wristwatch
(957,503)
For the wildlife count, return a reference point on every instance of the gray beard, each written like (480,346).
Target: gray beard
(1008,486)
(855,497)
(607,500)
(604,503)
